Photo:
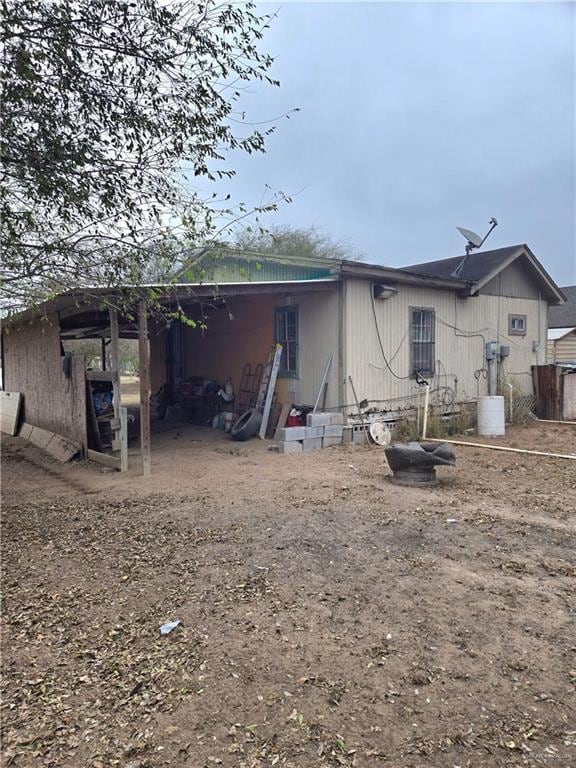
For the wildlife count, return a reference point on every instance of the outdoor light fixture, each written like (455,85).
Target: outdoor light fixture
(383,291)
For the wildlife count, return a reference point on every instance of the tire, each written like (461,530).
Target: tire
(247,425)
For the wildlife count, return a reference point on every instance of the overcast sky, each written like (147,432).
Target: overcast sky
(417,117)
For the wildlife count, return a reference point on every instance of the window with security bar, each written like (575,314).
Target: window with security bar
(287,335)
(422,333)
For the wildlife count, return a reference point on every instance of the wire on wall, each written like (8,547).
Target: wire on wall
(396,376)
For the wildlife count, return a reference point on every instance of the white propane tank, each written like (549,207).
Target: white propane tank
(491,418)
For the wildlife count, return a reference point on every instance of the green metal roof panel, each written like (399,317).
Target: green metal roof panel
(237,269)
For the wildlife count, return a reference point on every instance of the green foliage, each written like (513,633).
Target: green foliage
(294,241)
(438,426)
(92,351)
(109,111)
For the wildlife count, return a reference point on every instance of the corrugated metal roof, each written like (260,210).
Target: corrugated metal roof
(252,268)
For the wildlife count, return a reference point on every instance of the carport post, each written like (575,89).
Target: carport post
(144,366)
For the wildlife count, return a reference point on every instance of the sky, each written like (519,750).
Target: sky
(416,118)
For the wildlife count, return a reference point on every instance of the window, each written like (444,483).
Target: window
(517,325)
(422,341)
(287,335)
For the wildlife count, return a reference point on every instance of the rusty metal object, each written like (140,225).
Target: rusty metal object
(415,463)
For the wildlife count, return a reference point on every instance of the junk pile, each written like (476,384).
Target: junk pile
(415,463)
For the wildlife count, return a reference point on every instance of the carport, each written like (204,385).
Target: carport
(203,330)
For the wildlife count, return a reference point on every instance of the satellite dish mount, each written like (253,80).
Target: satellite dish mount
(474,241)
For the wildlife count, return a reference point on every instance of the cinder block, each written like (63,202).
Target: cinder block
(315,431)
(292,433)
(291,447)
(333,430)
(347,434)
(337,418)
(327,442)
(312,444)
(318,419)
(359,438)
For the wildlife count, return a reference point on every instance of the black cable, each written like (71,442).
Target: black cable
(396,376)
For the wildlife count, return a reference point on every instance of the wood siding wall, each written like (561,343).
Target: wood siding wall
(33,366)
(458,357)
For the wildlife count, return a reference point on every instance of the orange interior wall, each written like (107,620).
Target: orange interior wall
(240,333)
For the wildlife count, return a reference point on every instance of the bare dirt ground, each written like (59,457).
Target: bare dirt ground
(330,618)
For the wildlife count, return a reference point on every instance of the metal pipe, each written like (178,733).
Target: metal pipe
(426,405)
(511,388)
(359,411)
(552,421)
(503,448)
(328,364)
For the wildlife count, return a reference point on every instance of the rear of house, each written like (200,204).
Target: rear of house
(379,331)
(441,331)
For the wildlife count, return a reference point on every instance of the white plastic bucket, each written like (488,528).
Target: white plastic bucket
(491,418)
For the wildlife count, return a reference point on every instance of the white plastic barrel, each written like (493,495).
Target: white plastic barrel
(491,419)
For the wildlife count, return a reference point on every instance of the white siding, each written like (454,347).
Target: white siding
(318,339)
(458,358)
(513,281)
(562,350)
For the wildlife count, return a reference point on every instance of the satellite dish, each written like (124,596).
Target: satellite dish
(474,241)
(472,237)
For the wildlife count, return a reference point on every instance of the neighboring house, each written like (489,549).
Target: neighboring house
(562,329)
(381,327)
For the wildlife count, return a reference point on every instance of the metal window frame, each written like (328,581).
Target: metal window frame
(514,331)
(283,372)
(432,343)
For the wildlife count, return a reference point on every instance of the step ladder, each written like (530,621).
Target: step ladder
(267,386)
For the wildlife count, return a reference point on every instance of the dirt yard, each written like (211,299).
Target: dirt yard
(329,617)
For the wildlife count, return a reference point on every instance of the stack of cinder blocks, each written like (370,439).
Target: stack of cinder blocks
(321,431)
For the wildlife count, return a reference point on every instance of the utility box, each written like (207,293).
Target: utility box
(491,350)
(504,351)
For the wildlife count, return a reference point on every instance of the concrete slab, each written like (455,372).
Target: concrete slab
(328,442)
(337,418)
(315,431)
(40,437)
(333,430)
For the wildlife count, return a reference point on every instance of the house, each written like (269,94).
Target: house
(562,329)
(383,329)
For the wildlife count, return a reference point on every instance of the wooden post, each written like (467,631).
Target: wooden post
(115,370)
(103,353)
(144,362)
(123,439)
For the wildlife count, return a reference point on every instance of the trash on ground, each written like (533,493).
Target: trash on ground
(165,629)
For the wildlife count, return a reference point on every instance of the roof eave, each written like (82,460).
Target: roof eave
(375,272)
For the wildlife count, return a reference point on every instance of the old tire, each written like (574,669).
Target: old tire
(247,425)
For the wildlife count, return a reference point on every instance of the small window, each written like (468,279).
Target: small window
(517,325)
(287,335)
(422,332)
